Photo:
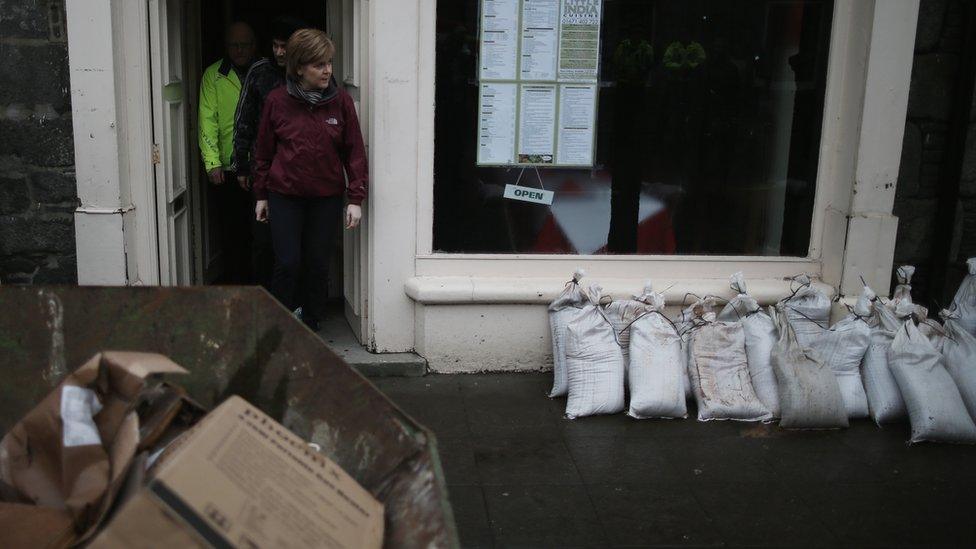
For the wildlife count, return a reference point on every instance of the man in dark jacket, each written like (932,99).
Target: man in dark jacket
(265,75)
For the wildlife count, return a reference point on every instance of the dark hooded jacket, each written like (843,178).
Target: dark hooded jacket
(265,75)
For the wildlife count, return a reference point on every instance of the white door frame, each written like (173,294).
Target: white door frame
(108,58)
(348,25)
(172,155)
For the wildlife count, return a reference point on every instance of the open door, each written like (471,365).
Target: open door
(171,151)
(347,27)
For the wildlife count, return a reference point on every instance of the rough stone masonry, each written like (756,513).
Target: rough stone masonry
(38,193)
(938,50)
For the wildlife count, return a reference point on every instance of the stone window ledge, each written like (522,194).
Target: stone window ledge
(453,290)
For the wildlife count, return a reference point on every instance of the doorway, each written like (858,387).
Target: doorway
(218,265)
(188,38)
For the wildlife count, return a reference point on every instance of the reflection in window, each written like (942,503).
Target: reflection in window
(708,132)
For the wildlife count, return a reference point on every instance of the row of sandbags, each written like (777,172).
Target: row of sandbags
(750,364)
(918,367)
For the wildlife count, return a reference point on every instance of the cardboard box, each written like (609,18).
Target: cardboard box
(240,479)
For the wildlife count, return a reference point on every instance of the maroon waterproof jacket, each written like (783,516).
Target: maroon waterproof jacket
(302,149)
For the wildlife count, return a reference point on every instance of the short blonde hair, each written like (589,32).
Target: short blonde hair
(307,46)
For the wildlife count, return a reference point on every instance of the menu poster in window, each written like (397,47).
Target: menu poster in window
(579,39)
(538,68)
(499,39)
(496,123)
(537,124)
(540,28)
(577,116)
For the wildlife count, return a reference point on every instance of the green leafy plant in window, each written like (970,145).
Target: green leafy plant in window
(677,56)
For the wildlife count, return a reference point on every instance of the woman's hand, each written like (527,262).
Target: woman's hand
(353,214)
(261,211)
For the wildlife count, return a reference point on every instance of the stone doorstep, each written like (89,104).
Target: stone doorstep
(379,364)
(387,364)
(339,337)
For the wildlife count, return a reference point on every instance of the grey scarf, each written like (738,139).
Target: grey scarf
(312,97)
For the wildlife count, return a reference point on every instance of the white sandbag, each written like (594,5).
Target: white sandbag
(594,362)
(884,397)
(809,396)
(903,291)
(964,304)
(689,318)
(562,310)
(935,406)
(933,331)
(842,348)
(622,314)
(760,335)
(719,373)
(808,311)
(657,373)
(960,359)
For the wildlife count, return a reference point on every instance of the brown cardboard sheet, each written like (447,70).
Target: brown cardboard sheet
(62,464)
(240,479)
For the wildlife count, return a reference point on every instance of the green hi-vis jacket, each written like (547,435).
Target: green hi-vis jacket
(220,90)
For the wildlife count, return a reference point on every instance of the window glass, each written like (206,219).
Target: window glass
(705,140)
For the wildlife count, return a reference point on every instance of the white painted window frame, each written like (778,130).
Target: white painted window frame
(850,46)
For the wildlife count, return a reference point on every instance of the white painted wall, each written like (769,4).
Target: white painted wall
(394,156)
(872,229)
(108,63)
(477,338)
(92,68)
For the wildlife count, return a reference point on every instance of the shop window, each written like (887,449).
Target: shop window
(704,116)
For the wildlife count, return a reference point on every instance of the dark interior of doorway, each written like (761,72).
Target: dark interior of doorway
(215,16)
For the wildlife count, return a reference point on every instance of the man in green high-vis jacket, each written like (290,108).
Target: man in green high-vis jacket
(220,90)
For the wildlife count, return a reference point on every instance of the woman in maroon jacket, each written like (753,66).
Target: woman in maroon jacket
(309,144)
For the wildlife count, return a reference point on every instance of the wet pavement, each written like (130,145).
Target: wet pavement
(520,475)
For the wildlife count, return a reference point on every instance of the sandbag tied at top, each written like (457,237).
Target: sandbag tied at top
(594,362)
(935,406)
(690,317)
(808,310)
(903,291)
(563,309)
(656,375)
(809,396)
(885,403)
(842,349)
(959,352)
(623,312)
(931,329)
(719,372)
(760,333)
(904,306)
(964,304)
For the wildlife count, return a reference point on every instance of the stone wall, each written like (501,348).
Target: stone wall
(938,46)
(38,192)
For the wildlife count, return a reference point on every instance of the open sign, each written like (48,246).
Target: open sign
(529,194)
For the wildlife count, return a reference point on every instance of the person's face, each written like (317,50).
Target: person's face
(278,48)
(316,76)
(240,45)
